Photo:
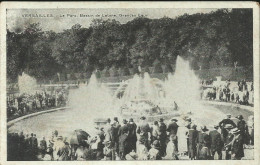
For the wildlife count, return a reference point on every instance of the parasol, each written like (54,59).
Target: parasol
(78,137)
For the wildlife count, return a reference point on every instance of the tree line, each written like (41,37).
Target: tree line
(217,39)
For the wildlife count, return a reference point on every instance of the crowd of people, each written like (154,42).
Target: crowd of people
(142,141)
(26,103)
(242,93)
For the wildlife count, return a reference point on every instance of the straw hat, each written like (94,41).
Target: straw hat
(228,126)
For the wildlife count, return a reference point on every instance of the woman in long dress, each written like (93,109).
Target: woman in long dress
(182,137)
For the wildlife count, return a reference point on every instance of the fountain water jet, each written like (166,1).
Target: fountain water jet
(92,99)
(183,86)
(26,84)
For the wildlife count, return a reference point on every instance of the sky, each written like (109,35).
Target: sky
(60,19)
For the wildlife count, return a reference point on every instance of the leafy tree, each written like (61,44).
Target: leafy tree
(209,40)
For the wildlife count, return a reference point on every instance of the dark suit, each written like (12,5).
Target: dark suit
(216,143)
(132,136)
(241,125)
(43,147)
(116,137)
(172,128)
(110,135)
(122,130)
(144,128)
(237,147)
(193,134)
(163,138)
(123,144)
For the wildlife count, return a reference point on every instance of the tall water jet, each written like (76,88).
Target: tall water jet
(27,84)
(150,89)
(93,98)
(183,87)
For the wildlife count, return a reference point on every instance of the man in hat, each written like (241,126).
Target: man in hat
(123,128)
(188,125)
(116,125)
(222,125)
(202,140)
(132,135)
(192,137)
(228,141)
(242,126)
(21,146)
(237,149)
(123,140)
(34,143)
(162,136)
(216,143)
(101,134)
(43,146)
(172,129)
(155,131)
(154,152)
(144,130)
(110,137)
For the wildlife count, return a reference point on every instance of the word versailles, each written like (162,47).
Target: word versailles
(37,15)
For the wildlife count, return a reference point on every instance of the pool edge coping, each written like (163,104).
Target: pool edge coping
(11,122)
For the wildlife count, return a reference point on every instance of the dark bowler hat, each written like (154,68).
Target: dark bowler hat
(131,120)
(115,118)
(161,119)
(143,118)
(204,128)
(240,117)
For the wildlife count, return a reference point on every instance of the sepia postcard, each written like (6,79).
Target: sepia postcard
(129,82)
